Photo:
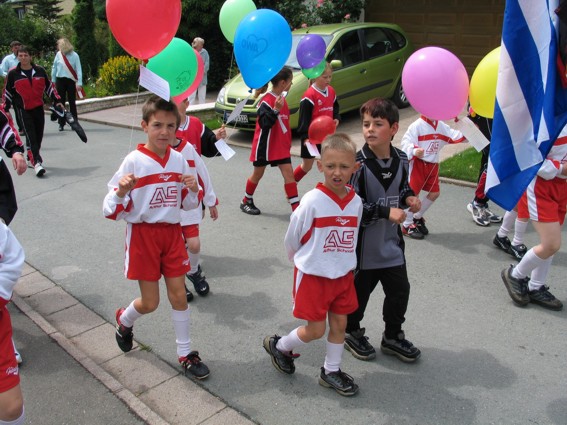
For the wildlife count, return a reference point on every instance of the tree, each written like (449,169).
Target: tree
(85,42)
(47,9)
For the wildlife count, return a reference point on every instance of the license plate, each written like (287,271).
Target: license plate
(242,118)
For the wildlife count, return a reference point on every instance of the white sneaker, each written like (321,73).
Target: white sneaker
(39,170)
(17,353)
(478,214)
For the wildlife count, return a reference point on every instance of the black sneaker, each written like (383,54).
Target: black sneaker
(400,347)
(543,297)
(358,345)
(248,207)
(517,251)
(420,224)
(189,294)
(478,215)
(339,381)
(517,288)
(502,242)
(192,364)
(124,335)
(281,361)
(412,231)
(199,282)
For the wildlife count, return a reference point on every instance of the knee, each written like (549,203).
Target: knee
(12,410)
(194,245)
(432,196)
(147,306)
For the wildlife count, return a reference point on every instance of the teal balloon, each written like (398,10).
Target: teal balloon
(262,45)
(316,71)
(177,64)
(231,13)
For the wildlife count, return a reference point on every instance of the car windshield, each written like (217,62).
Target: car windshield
(292,59)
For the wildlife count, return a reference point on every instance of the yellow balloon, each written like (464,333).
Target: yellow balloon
(482,92)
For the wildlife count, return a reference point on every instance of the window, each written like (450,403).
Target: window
(347,49)
(376,43)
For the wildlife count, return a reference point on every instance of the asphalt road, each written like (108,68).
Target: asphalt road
(484,360)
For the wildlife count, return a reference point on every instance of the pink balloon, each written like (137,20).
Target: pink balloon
(436,83)
(143,27)
(196,82)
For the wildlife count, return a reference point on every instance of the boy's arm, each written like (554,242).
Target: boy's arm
(336,115)
(117,203)
(405,189)
(305,115)
(409,142)
(11,263)
(191,193)
(209,196)
(267,117)
(300,219)
(208,140)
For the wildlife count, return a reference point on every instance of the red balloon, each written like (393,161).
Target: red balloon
(320,128)
(196,82)
(143,27)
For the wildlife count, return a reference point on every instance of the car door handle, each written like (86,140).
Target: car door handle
(363,71)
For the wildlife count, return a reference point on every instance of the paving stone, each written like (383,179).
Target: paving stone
(51,300)
(31,284)
(99,343)
(75,320)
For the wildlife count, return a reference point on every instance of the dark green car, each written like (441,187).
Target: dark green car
(367,60)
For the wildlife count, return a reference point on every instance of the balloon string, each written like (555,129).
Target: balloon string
(133,118)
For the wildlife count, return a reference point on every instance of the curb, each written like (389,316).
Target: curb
(45,302)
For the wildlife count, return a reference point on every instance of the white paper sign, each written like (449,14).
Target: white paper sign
(154,83)
(226,151)
(313,151)
(237,110)
(475,137)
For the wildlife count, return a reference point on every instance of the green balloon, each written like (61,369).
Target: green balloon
(231,13)
(316,71)
(177,64)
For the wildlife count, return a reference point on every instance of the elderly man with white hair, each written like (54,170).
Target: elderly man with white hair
(201,91)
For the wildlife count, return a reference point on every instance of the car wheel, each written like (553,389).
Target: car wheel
(399,97)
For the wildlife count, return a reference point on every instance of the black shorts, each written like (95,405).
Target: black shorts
(305,153)
(271,163)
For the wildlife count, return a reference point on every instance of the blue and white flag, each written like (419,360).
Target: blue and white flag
(531,102)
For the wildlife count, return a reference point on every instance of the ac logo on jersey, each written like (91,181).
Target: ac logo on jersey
(339,241)
(164,197)
(433,147)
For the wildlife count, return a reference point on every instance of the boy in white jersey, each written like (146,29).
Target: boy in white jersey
(321,241)
(148,191)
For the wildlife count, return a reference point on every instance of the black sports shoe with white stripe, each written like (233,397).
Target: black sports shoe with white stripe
(248,207)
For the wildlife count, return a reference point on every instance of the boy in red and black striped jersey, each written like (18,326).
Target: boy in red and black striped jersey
(272,143)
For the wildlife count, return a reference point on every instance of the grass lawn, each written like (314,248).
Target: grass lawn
(463,166)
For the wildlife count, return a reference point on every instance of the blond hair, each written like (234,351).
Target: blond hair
(339,142)
(64,46)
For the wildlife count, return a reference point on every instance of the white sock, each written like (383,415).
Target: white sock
(289,342)
(507,223)
(425,204)
(194,262)
(333,357)
(527,264)
(130,315)
(181,327)
(20,421)
(539,275)
(519,231)
(409,218)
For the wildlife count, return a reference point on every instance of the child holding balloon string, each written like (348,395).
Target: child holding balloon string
(422,142)
(272,142)
(318,100)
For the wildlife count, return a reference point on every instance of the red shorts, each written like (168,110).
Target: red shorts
(9,371)
(190,231)
(423,176)
(153,250)
(315,296)
(544,201)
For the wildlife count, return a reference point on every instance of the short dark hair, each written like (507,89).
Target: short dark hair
(381,108)
(15,43)
(24,49)
(156,103)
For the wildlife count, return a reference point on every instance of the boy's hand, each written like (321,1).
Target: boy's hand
(190,182)
(126,184)
(19,163)
(418,152)
(413,203)
(214,213)
(221,133)
(397,215)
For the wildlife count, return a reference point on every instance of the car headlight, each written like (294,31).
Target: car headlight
(220,97)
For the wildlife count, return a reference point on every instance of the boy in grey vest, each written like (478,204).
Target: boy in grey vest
(382,183)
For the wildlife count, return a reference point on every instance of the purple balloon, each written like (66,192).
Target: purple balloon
(310,51)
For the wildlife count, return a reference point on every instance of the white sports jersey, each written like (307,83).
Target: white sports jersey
(323,232)
(431,136)
(199,170)
(159,194)
(556,159)
(11,263)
